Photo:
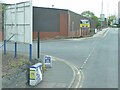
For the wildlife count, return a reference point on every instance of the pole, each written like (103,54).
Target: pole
(38,44)
(101,12)
(4,47)
(101,25)
(30,52)
(31,29)
(107,12)
(102,7)
(4,21)
(15,53)
(15,50)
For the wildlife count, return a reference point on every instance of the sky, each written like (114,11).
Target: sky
(110,7)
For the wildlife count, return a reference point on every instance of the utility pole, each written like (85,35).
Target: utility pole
(107,12)
(102,7)
(101,13)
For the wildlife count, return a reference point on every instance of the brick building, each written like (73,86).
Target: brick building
(54,23)
(50,22)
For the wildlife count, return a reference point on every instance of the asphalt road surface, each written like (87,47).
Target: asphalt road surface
(97,56)
(100,55)
(101,71)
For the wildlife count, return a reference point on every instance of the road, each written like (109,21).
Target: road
(97,57)
(100,54)
(102,68)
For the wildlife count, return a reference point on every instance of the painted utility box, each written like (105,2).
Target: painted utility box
(35,75)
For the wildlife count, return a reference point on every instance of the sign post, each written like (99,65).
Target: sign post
(30,52)
(15,54)
(38,45)
(102,19)
(18,21)
(31,27)
(4,47)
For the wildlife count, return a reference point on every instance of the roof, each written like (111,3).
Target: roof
(51,8)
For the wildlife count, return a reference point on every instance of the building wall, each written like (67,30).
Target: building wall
(57,23)
(64,24)
(46,19)
(92,27)
(92,24)
(74,25)
(46,35)
(52,23)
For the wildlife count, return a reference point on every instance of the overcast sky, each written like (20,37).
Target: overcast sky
(78,6)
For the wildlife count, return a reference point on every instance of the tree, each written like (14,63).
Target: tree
(110,19)
(87,14)
(2,7)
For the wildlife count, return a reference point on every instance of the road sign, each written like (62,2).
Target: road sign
(84,23)
(18,21)
(48,61)
(102,17)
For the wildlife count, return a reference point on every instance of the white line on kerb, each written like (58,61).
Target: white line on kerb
(82,77)
(73,67)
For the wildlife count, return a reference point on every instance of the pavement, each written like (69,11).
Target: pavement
(59,67)
(53,77)
(59,76)
(99,33)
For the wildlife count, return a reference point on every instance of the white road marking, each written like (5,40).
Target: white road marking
(73,69)
(82,77)
(86,60)
(105,33)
